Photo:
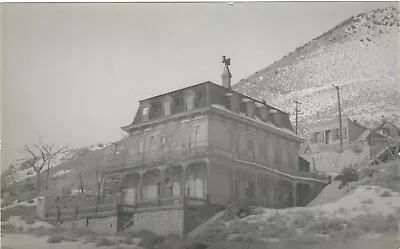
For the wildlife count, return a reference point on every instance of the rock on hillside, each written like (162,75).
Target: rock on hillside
(361,55)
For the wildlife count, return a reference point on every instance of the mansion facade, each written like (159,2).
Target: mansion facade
(192,152)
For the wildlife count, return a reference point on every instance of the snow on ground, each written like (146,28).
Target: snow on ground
(365,200)
(99,146)
(56,161)
(331,193)
(78,191)
(365,210)
(61,173)
(17,222)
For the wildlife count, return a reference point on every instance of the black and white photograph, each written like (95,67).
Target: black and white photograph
(200,125)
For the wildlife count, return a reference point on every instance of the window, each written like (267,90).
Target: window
(163,142)
(167,108)
(278,156)
(327,136)
(185,139)
(228,102)
(261,149)
(263,189)
(292,159)
(335,134)
(145,111)
(320,137)
(234,141)
(189,102)
(250,145)
(141,145)
(266,148)
(315,137)
(151,143)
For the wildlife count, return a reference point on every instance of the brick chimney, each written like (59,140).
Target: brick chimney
(226,75)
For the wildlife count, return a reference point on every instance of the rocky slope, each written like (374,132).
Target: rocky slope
(361,55)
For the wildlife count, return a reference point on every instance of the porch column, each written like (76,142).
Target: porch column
(257,189)
(206,181)
(234,194)
(161,191)
(140,187)
(183,184)
(294,194)
(276,192)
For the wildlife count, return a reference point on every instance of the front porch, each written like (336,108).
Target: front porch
(166,184)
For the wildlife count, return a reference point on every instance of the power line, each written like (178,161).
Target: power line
(340,116)
(297,115)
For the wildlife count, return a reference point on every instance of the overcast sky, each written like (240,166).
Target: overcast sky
(74,73)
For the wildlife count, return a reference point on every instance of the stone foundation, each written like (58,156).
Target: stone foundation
(101,226)
(161,222)
(176,219)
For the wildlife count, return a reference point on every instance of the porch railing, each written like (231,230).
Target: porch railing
(82,212)
(60,213)
(170,201)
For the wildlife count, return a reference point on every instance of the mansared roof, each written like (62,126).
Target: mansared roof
(210,94)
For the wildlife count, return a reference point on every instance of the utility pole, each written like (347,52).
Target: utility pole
(297,115)
(340,117)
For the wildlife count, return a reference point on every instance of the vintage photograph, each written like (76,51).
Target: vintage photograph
(218,125)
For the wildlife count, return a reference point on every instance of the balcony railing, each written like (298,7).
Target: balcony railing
(154,157)
(171,201)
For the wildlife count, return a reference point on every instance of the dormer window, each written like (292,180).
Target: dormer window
(167,103)
(189,105)
(250,107)
(189,97)
(277,117)
(264,113)
(228,101)
(145,111)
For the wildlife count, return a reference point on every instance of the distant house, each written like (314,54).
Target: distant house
(361,145)
(388,129)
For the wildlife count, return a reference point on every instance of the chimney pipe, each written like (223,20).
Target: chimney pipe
(226,75)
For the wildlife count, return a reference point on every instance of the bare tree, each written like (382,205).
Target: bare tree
(78,163)
(100,177)
(81,183)
(43,156)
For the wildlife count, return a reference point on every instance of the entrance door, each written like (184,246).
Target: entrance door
(130,196)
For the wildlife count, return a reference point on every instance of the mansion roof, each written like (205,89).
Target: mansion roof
(206,95)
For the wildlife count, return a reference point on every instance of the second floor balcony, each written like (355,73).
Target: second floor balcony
(121,161)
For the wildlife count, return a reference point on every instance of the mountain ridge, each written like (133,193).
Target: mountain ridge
(359,55)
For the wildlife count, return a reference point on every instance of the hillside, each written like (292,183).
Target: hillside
(361,55)
(19,181)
